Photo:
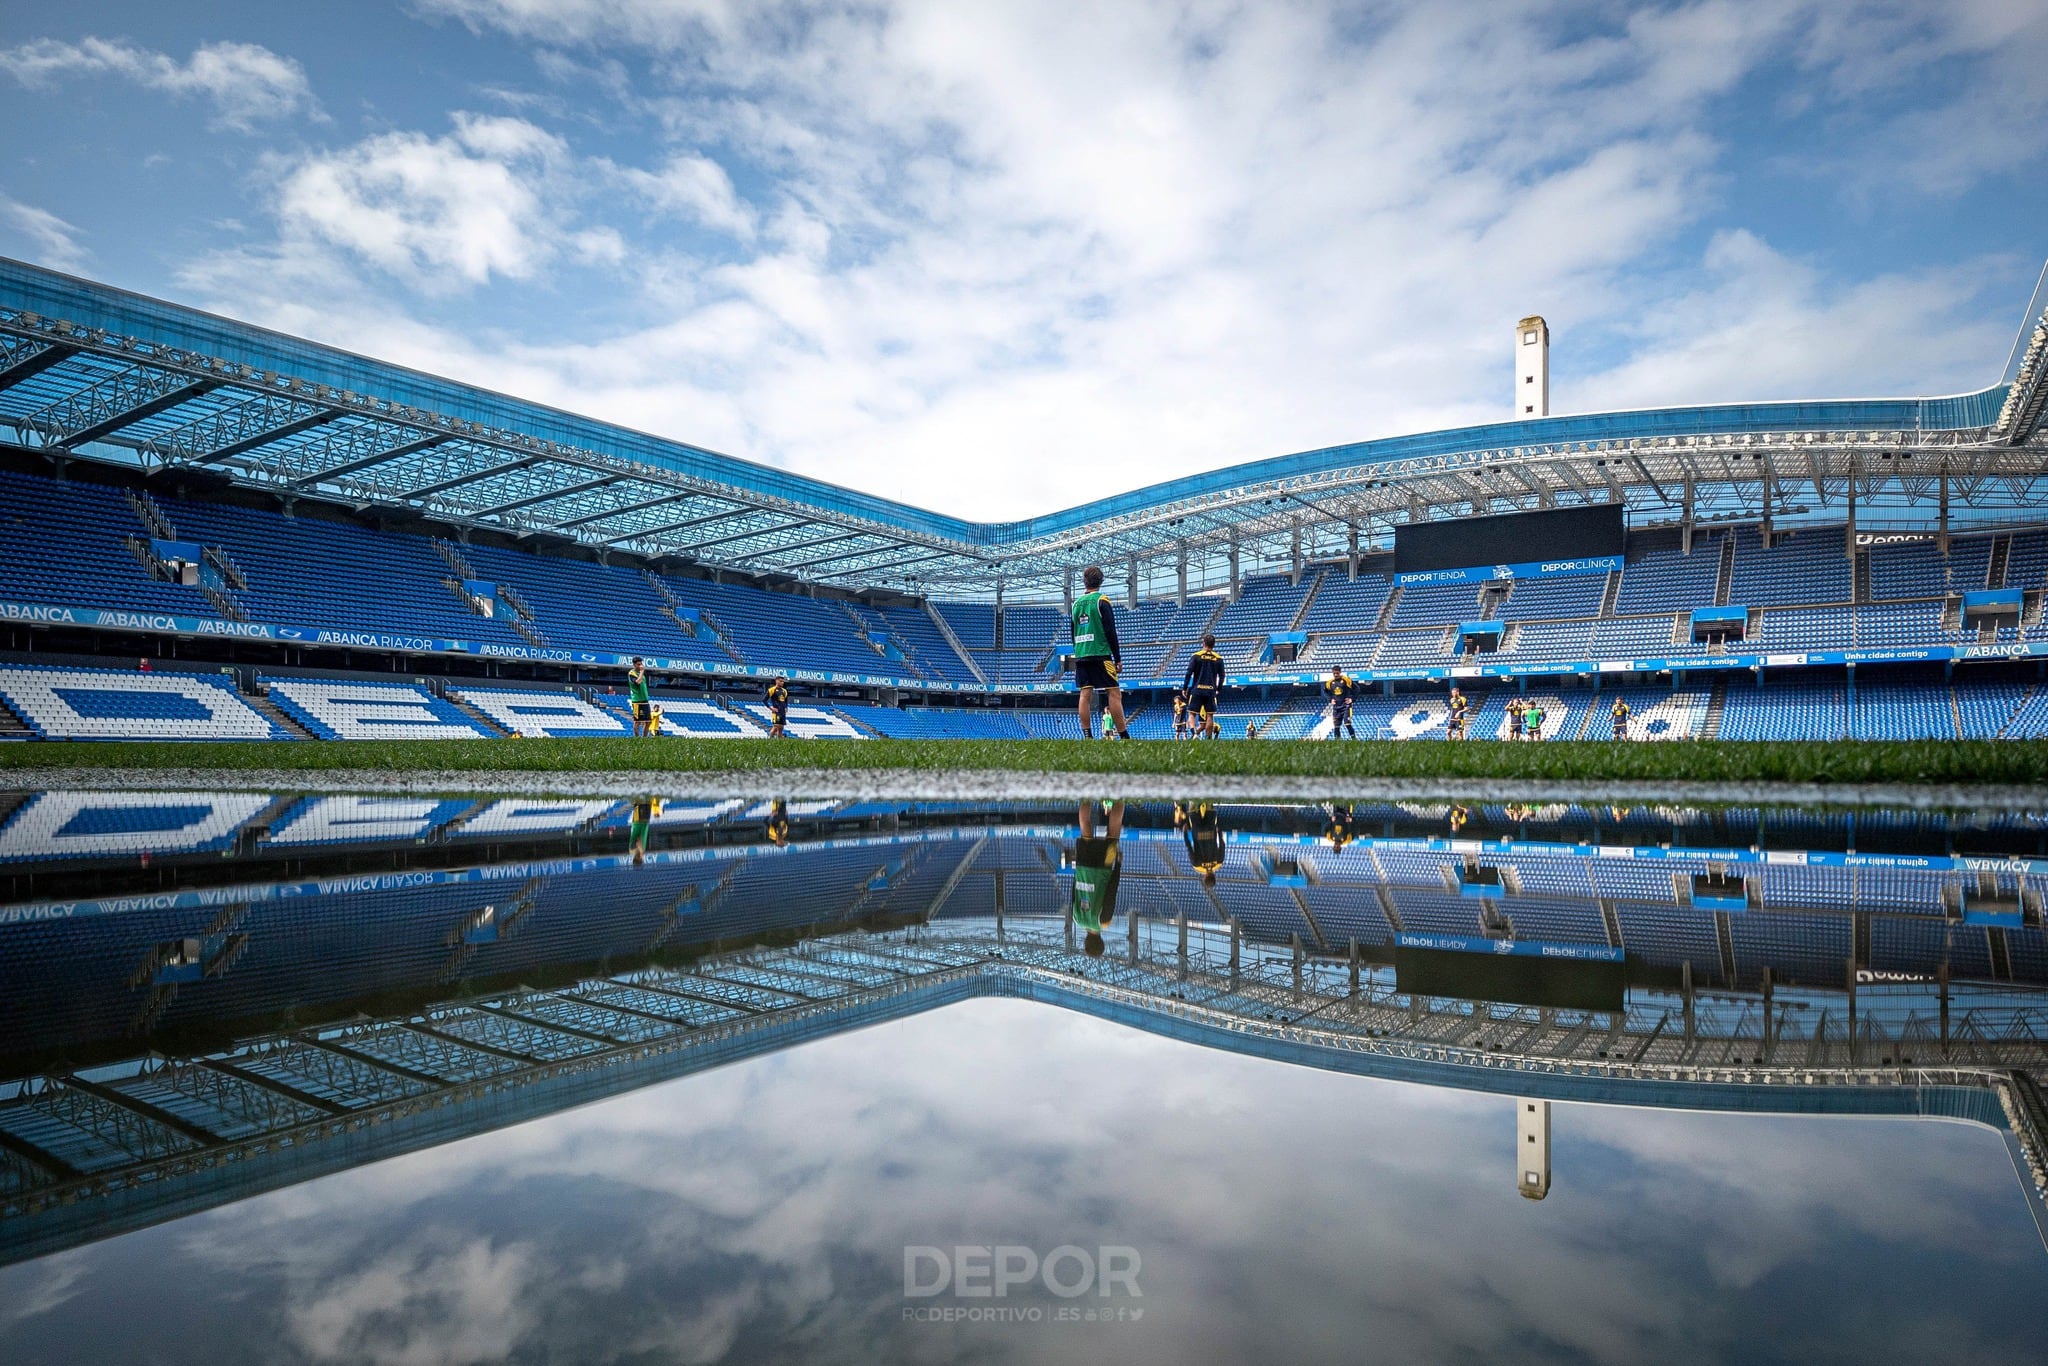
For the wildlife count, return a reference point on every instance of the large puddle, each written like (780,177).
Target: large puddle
(346,1078)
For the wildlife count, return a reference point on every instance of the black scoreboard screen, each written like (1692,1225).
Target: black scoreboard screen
(1515,538)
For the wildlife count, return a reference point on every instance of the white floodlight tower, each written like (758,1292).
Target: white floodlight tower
(1532,368)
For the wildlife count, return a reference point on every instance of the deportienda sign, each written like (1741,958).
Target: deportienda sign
(1504,573)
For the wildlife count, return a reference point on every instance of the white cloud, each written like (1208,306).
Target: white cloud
(438,212)
(1005,258)
(248,84)
(695,188)
(769,1202)
(52,241)
(1755,324)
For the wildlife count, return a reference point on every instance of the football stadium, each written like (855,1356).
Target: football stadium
(712,683)
(220,533)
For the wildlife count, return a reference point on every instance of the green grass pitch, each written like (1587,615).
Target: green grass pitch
(2000,762)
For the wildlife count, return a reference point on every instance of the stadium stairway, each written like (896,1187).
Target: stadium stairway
(863,727)
(490,727)
(270,711)
(12,727)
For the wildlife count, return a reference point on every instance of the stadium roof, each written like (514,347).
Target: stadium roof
(93,372)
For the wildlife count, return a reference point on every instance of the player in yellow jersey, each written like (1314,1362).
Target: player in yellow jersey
(1340,689)
(1203,683)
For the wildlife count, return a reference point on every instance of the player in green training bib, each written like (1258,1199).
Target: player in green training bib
(1096,657)
(1097,871)
(636,692)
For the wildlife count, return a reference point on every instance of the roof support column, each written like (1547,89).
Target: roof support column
(1685,520)
(1941,531)
(1236,578)
(1767,503)
(1849,537)
(1294,555)
(1131,585)
(1069,593)
(1181,594)
(1351,549)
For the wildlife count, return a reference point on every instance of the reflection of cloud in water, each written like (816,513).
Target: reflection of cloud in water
(1281,1213)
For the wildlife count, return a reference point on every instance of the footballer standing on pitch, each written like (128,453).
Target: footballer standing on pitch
(1096,656)
(1203,683)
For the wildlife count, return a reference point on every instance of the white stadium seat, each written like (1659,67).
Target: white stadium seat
(104,704)
(542,713)
(111,824)
(516,816)
(330,820)
(337,709)
(810,723)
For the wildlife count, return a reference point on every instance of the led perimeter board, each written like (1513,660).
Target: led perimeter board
(1516,538)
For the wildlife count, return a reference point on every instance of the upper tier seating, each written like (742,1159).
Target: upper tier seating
(306,571)
(1435,604)
(2026,565)
(1576,596)
(1668,581)
(1345,604)
(63,543)
(1803,566)
(1264,605)
(973,622)
(929,651)
(605,607)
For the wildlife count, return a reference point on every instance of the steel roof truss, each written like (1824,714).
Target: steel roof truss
(24,358)
(548,495)
(468,477)
(238,429)
(120,400)
(626,511)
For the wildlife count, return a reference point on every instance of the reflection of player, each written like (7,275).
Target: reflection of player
(1340,690)
(1620,712)
(1459,815)
(1097,871)
(1461,714)
(778,708)
(1202,831)
(1097,660)
(778,824)
(1203,683)
(636,692)
(645,809)
(1338,831)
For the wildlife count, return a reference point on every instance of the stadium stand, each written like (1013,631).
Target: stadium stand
(97,545)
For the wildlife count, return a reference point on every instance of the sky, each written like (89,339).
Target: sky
(760,1211)
(1004,257)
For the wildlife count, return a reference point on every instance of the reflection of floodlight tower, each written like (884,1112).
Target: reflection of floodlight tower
(1532,1148)
(1532,368)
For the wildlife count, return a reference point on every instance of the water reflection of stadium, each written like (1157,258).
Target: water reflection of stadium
(207,995)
